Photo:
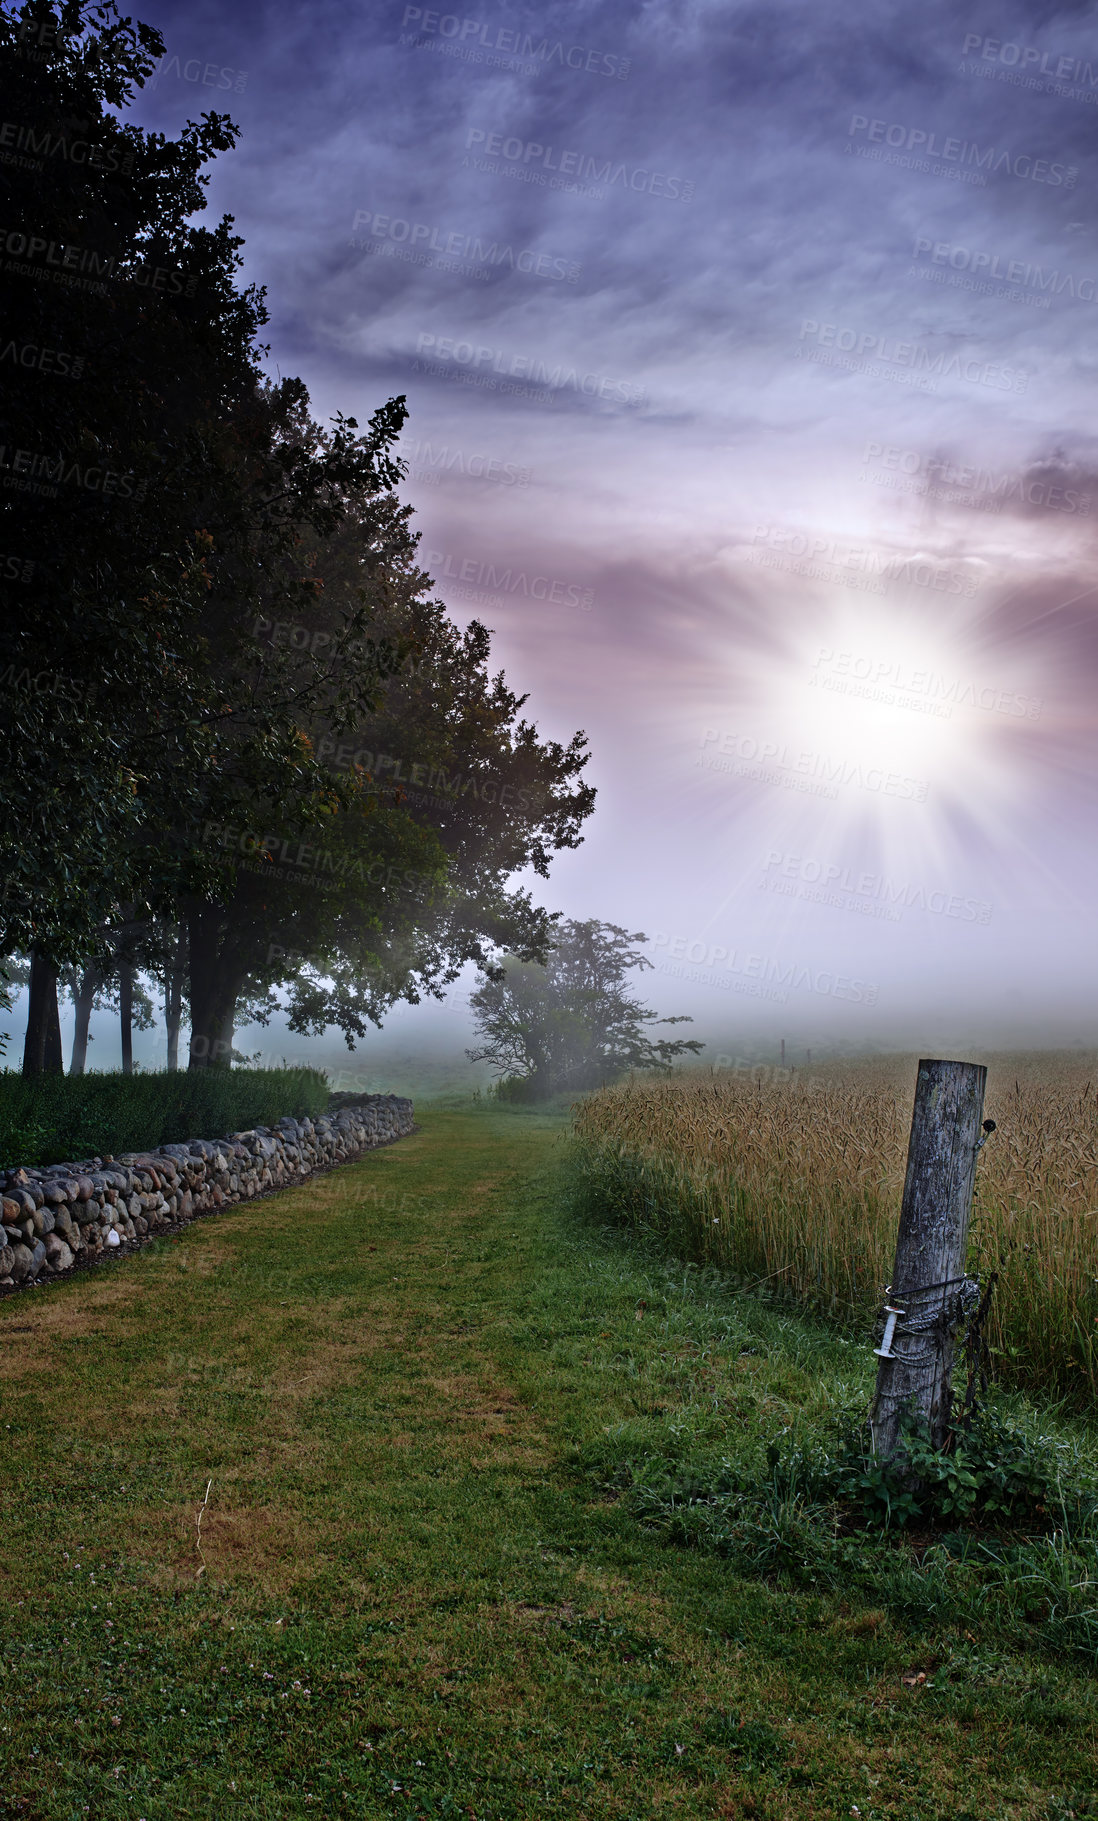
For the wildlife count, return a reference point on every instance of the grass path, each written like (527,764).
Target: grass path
(402,1597)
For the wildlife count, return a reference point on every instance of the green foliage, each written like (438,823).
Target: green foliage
(514,1090)
(1000,1514)
(231,642)
(990,1471)
(55,1119)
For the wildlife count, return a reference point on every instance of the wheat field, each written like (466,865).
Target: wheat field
(792,1181)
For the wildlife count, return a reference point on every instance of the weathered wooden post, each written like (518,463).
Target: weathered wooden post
(928,1293)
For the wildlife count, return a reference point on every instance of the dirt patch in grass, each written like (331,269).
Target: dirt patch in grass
(479,1406)
(262,1545)
(544,1617)
(78,1316)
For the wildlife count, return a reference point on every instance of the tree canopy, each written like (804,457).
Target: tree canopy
(237,717)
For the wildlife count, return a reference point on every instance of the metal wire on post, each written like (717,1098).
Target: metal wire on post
(977,1355)
(929,1319)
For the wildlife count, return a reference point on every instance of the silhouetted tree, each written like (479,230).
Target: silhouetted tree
(572,1023)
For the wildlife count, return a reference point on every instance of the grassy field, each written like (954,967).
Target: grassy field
(795,1180)
(317,1510)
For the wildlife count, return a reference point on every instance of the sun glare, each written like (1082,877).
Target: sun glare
(883,730)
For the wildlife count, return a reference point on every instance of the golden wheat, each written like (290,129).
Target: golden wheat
(795,1178)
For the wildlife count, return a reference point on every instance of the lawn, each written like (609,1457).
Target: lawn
(307,1512)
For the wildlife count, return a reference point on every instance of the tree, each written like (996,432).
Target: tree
(117,986)
(156,714)
(123,338)
(353,884)
(572,1024)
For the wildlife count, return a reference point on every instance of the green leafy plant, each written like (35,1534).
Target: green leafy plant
(63,1119)
(989,1471)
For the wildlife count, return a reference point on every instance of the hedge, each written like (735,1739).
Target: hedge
(46,1119)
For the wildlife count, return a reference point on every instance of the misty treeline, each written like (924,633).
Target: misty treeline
(248,760)
(571,1023)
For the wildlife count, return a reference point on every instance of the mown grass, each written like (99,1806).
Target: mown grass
(795,1180)
(416,1588)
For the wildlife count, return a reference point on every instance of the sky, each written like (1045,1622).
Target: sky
(749,355)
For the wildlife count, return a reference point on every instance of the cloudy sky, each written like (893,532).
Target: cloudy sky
(749,354)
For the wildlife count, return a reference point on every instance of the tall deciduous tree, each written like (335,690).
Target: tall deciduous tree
(122,333)
(167,751)
(418,790)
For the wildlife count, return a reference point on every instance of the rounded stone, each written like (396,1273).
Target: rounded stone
(20,1262)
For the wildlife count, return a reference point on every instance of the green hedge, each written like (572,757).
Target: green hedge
(54,1119)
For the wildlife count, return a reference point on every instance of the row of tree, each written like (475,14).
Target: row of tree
(244,749)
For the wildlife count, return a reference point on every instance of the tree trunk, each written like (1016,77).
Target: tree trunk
(173,998)
(55,1058)
(42,1044)
(216,981)
(928,1279)
(84,1000)
(125,1014)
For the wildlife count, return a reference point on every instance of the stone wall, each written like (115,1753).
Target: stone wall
(60,1214)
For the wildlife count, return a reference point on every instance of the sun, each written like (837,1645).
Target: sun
(888,729)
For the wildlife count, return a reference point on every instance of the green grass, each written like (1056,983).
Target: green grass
(417,1588)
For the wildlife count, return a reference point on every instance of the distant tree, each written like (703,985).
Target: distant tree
(572,1023)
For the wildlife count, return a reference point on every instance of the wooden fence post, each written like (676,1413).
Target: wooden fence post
(927,1294)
